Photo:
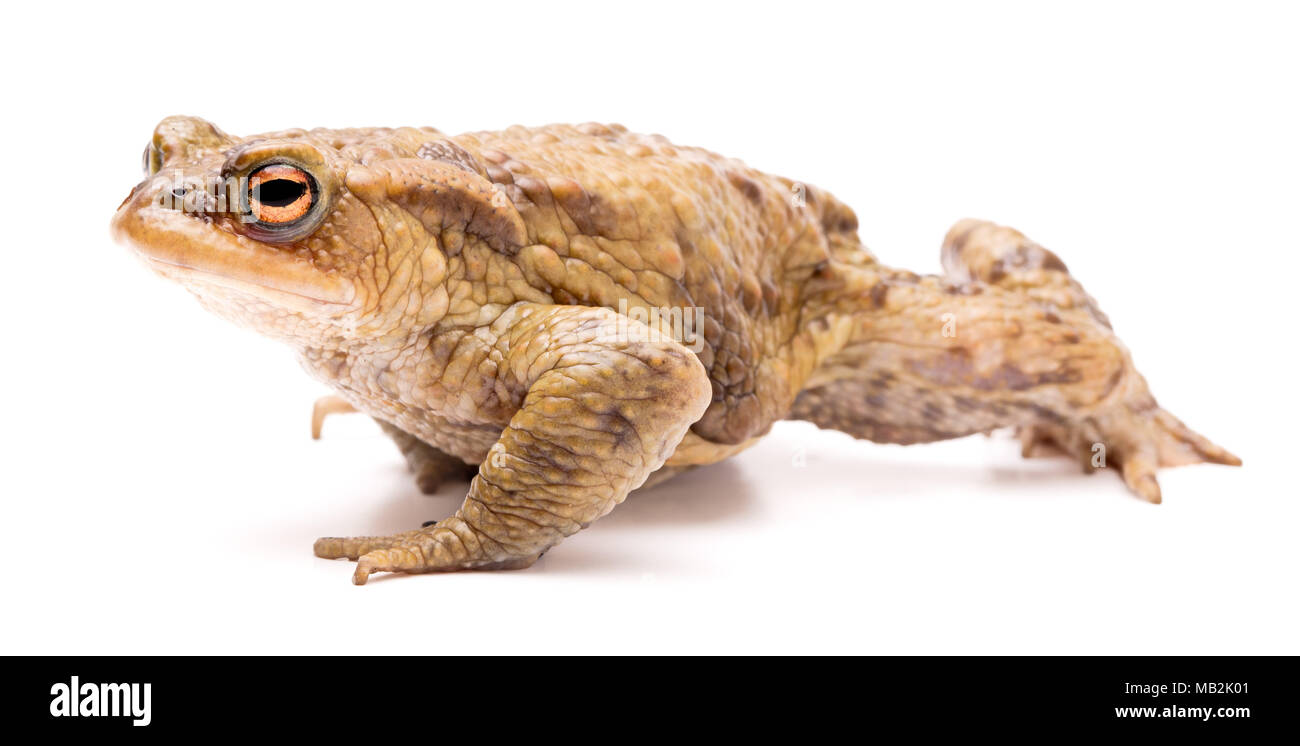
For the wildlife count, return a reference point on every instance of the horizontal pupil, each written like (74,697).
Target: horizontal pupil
(280,192)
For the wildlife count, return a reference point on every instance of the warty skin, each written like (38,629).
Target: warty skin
(462,291)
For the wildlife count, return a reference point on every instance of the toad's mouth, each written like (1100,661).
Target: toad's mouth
(188,249)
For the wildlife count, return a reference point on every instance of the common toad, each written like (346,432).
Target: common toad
(565,312)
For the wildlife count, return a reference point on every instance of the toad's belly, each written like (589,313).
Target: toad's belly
(696,451)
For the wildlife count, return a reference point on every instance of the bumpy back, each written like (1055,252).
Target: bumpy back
(613,216)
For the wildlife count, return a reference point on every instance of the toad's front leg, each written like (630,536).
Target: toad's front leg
(604,403)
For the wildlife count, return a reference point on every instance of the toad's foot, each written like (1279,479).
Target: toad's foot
(1138,437)
(447,546)
(1134,434)
(432,467)
(324,407)
(353,547)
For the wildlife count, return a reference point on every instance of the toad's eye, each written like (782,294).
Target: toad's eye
(152,160)
(280,194)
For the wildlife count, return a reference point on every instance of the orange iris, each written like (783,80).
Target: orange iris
(279,193)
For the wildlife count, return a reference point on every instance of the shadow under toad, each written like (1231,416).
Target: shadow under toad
(704,495)
(725,493)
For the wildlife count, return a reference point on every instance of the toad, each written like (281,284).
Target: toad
(509,306)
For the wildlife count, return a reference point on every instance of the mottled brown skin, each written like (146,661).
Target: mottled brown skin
(462,291)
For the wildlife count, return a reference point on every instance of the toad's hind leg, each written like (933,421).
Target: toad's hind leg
(1007,338)
(983,252)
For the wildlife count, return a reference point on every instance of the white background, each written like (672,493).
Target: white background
(161,495)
